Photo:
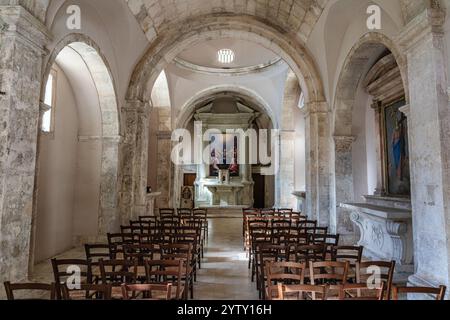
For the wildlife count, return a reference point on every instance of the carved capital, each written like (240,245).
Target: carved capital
(315,108)
(406,110)
(428,22)
(344,143)
(16,21)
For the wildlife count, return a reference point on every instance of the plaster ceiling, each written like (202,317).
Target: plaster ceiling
(247,54)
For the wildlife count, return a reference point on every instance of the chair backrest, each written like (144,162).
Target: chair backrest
(302,292)
(361,291)
(167,271)
(439,293)
(34,291)
(87,292)
(116,272)
(365,271)
(95,252)
(184,212)
(307,253)
(147,291)
(140,252)
(200,213)
(66,269)
(285,273)
(166,212)
(351,254)
(328,272)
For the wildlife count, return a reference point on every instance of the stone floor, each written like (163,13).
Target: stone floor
(224,274)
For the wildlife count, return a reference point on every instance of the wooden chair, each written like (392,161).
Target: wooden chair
(308,253)
(184,253)
(365,271)
(361,292)
(331,273)
(352,254)
(117,272)
(147,291)
(141,253)
(63,270)
(184,213)
(87,292)
(166,213)
(287,273)
(95,252)
(35,290)
(267,253)
(202,214)
(164,272)
(439,293)
(302,292)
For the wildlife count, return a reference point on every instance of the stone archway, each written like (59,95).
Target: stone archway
(181,36)
(99,70)
(188,109)
(355,67)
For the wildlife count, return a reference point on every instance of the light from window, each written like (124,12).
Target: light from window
(48,100)
(226,56)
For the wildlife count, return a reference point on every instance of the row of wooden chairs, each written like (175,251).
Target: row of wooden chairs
(185,213)
(93,291)
(329,280)
(171,263)
(330,273)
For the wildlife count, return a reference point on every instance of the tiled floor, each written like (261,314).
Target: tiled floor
(224,274)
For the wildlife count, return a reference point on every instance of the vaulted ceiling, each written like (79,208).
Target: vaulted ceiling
(294,16)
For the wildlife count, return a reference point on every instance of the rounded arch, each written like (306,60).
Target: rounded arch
(99,68)
(168,46)
(254,98)
(109,138)
(352,72)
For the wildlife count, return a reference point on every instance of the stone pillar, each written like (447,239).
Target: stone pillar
(134,157)
(109,220)
(318,173)
(340,222)
(379,190)
(429,125)
(22,42)
(285,178)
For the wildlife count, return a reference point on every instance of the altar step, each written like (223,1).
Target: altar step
(224,212)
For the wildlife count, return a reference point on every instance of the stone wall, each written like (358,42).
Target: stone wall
(21,53)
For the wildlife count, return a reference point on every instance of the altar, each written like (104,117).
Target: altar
(225,181)
(225,194)
(385,225)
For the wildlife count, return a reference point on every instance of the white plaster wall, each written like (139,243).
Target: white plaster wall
(341,25)
(269,85)
(360,147)
(87,189)
(110,24)
(56,183)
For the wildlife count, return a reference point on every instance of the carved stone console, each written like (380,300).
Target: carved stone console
(385,225)
(150,202)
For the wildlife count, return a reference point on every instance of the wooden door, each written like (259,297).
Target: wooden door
(259,191)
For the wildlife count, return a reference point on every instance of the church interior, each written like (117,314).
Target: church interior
(224,149)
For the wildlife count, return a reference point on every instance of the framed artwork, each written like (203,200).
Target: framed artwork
(224,154)
(396,154)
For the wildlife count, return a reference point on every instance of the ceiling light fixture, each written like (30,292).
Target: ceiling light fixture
(225,56)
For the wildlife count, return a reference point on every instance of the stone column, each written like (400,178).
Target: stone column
(423,40)
(285,178)
(380,190)
(109,220)
(22,39)
(318,173)
(134,157)
(340,222)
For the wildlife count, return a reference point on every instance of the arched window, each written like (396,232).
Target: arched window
(49,100)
